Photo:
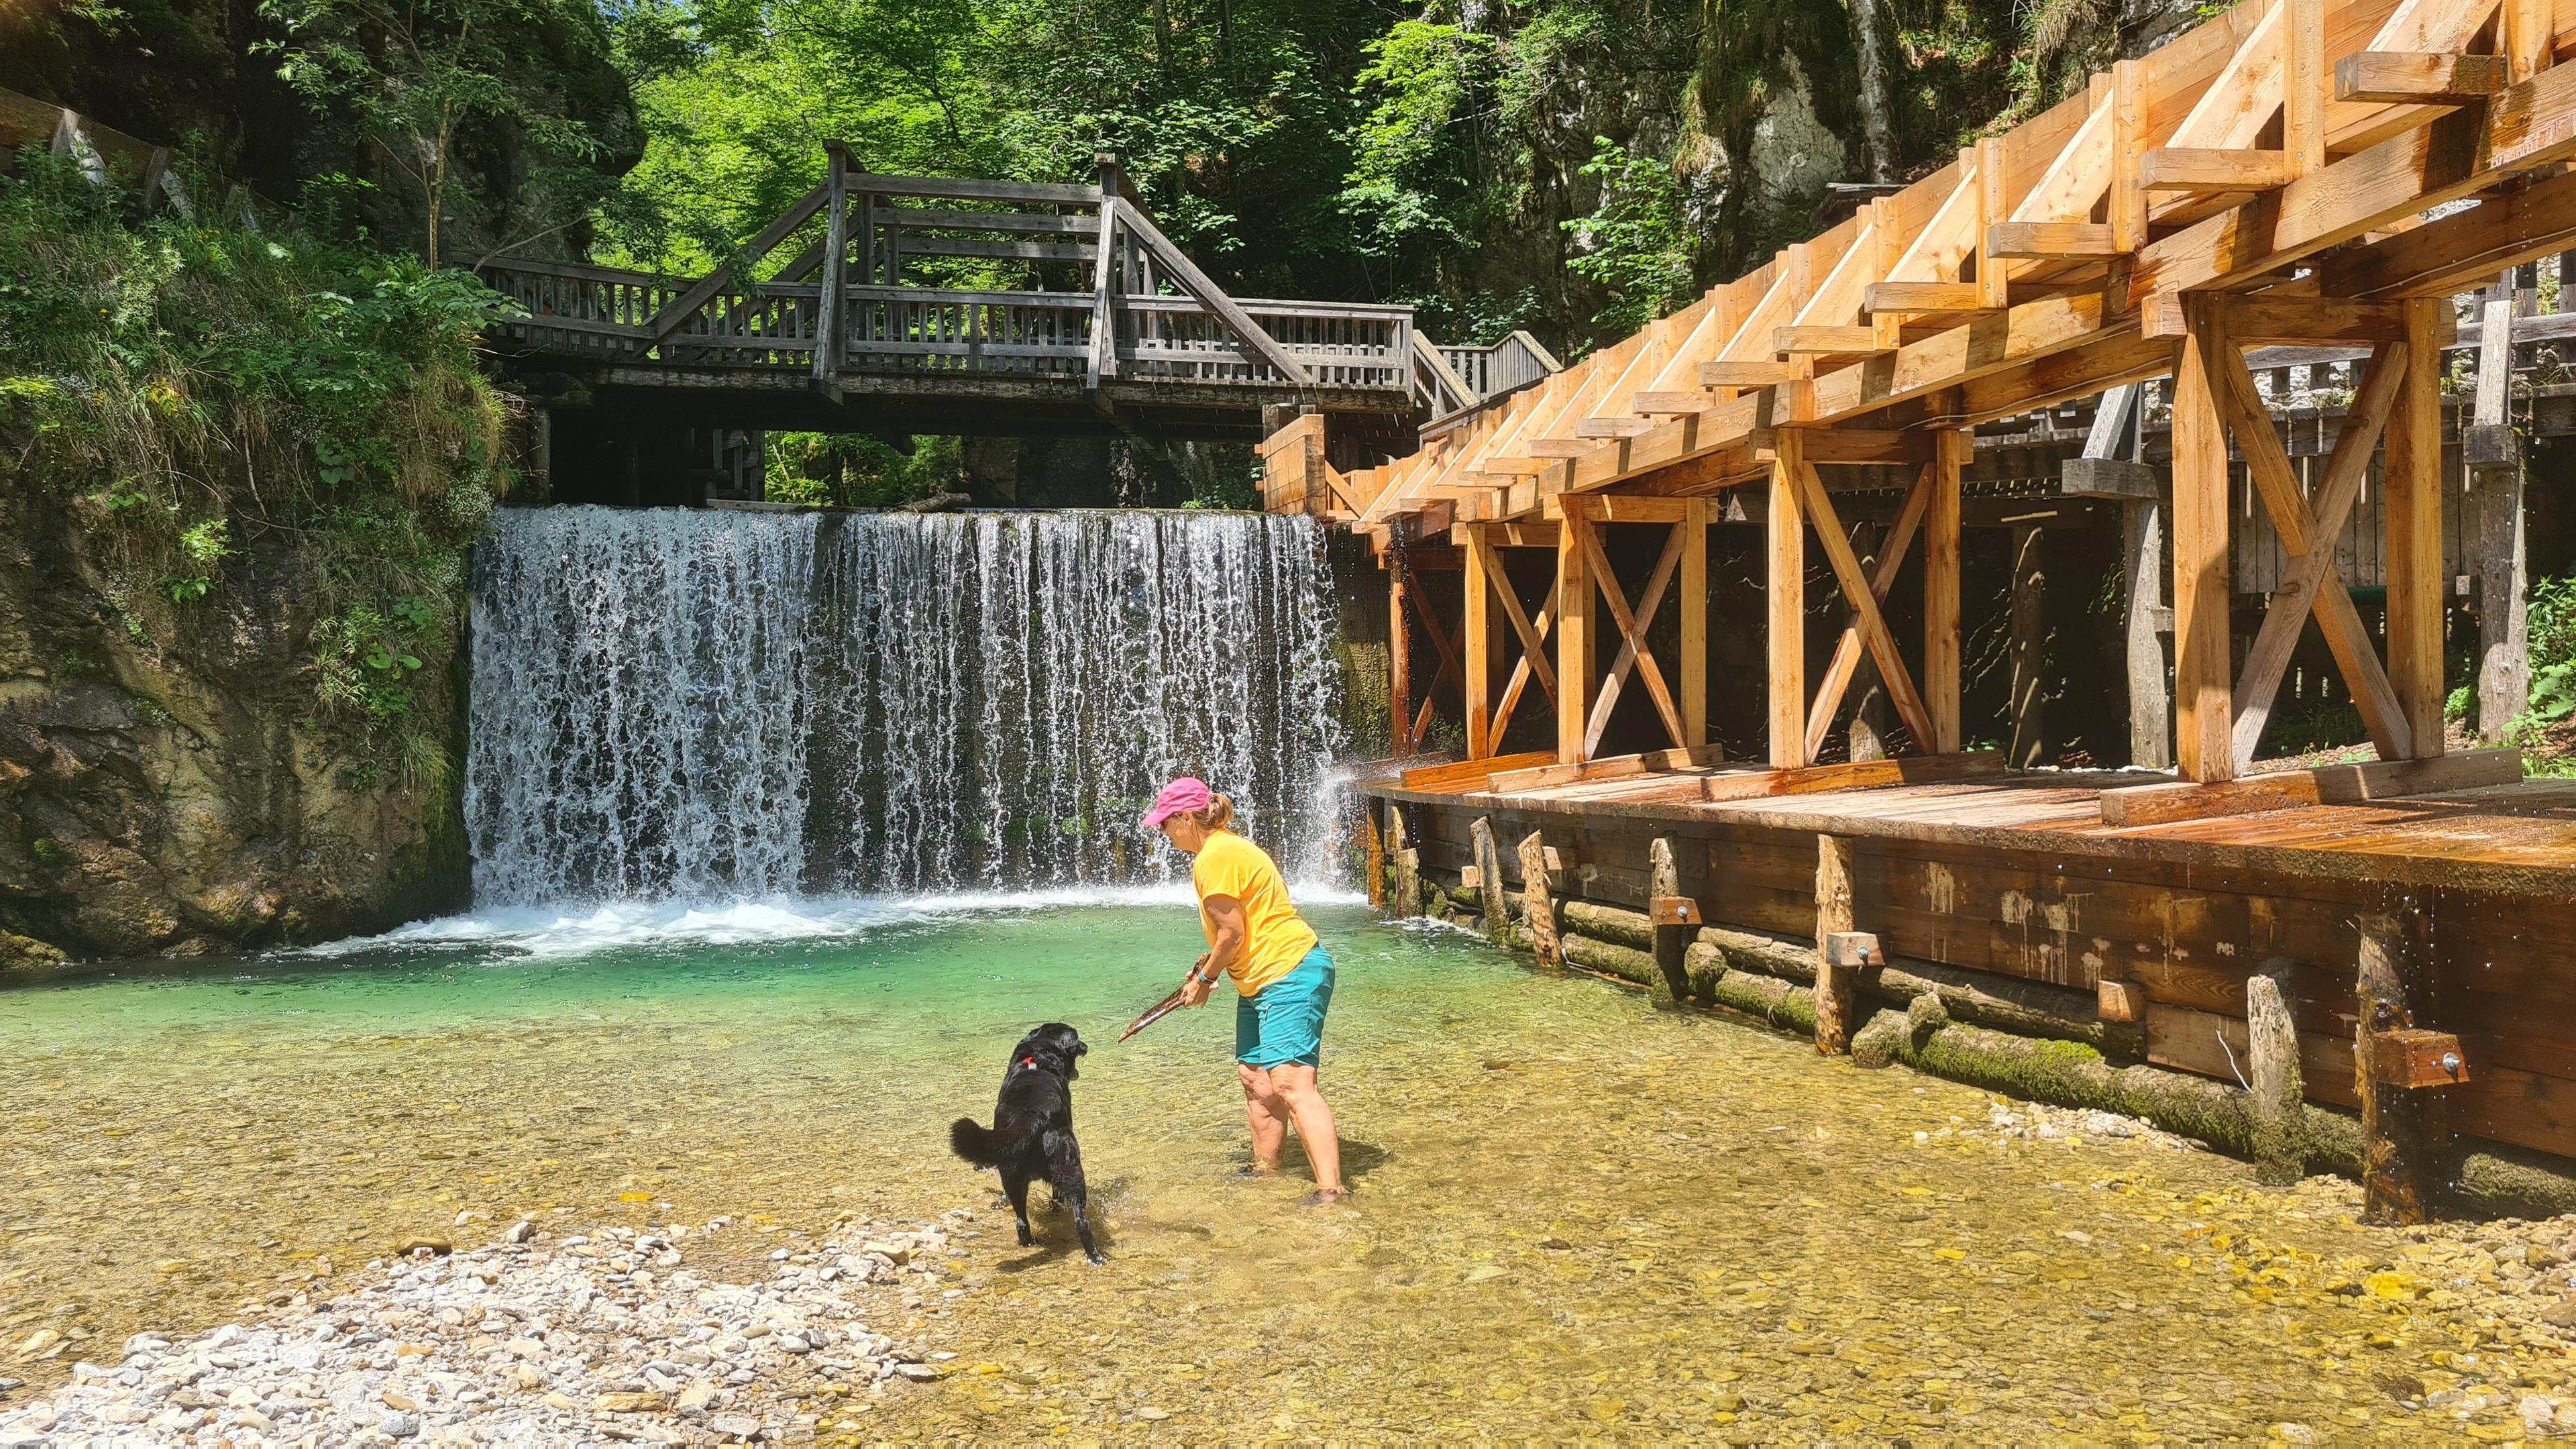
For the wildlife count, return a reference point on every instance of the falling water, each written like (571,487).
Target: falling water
(675,703)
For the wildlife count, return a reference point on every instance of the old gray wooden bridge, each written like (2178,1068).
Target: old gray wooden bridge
(1117,331)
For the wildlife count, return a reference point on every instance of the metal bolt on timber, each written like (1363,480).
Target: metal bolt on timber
(1837,985)
(1489,880)
(1538,907)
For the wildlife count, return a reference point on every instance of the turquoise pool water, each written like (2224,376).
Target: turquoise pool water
(1576,1214)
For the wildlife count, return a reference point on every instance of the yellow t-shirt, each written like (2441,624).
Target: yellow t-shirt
(1276,938)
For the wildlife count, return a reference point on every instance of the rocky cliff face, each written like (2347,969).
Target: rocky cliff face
(165,785)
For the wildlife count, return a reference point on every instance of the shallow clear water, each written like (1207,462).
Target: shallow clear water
(1575,1214)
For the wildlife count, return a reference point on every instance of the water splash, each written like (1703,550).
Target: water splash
(675,704)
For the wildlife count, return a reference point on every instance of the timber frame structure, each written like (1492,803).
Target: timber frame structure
(2290,172)
(2324,176)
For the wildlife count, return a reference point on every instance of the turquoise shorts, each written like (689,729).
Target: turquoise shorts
(1283,1022)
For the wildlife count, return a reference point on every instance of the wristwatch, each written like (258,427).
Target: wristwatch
(1202,980)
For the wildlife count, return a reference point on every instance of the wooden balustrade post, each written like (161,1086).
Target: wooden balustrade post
(832,279)
(1951,448)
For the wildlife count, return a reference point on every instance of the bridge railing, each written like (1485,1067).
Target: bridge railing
(604,312)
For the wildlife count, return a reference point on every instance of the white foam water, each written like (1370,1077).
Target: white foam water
(713,706)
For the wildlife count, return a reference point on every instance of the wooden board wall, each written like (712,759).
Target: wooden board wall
(2503,976)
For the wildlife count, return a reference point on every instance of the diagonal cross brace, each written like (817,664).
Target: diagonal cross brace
(1633,653)
(662,325)
(1847,650)
(2310,584)
(1864,606)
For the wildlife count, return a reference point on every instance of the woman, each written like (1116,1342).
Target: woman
(1282,977)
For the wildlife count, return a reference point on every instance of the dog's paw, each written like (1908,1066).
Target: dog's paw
(1097,1260)
(1028,1239)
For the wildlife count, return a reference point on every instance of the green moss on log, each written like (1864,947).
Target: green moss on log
(1611,924)
(1610,958)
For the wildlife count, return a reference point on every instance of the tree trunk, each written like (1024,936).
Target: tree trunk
(1877,96)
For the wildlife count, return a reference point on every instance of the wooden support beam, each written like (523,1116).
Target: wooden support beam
(1671,404)
(1373,840)
(2181,168)
(2388,77)
(1694,630)
(1664,883)
(1451,777)
(2051,241)
(1837,985)
(1408,869)
(1399,658)
(662,325)
(1573,638)
(2401,1129)
(1746,372)
(830,301)
(1477,628)
(1611,427)
(1941,629)
(2267,462)
(1821,341)
(1921,298)
(2304,85)
(1538,906)
(1256,342)
(2166,804)
(2204,750)
(2417,583)
(1785,590)
(1863,775)
(2462,250)
(1613,767)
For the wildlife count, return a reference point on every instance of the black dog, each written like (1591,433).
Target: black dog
(1032,1132)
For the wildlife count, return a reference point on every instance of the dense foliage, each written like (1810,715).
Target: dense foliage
(206,396)
(1574,166)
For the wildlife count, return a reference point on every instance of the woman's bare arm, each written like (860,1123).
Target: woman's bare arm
(1225,913)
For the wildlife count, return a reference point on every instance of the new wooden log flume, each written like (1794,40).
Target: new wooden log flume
(2391,936)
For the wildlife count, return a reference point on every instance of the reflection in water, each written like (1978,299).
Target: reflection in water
(1575,1213)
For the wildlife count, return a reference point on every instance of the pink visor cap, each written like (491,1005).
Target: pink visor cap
(1183,795)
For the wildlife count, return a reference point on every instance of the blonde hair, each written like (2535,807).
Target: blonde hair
(1218,815)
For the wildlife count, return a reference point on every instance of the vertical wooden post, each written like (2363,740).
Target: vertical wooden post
(1573,634)
(1672,941)
(2494,459)
(2414,524)
(2279,1094)
(1475,628)
(1103,362)
(1694,606)
(2204,733)
(1373,846)
(2304,82)
(2127,206)
(1399,657)
(1496,917)
(1538,902)
(830,294)
(2142,549)
(2029,708)
(1837,987)
(2400,1127)
(1950,452)
(1785,588)
(1408,864)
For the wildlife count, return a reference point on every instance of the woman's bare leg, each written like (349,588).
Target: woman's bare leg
(1267,1113)
(1313,1116)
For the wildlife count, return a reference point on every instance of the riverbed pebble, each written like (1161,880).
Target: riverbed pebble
(525,1341)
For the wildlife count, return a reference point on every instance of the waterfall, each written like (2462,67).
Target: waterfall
(683,703)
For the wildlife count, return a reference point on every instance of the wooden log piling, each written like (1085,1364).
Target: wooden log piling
(2400,1127)
(1837,986)
(1538,907)
(1497,919)
(1672,940)
(2272,1074)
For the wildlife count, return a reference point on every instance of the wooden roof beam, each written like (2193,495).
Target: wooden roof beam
(2419,78)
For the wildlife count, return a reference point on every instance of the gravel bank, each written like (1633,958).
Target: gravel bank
(581,1339)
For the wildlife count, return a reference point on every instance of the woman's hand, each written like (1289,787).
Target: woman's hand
(1194,991)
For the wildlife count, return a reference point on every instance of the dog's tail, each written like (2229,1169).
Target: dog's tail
(980,1144)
